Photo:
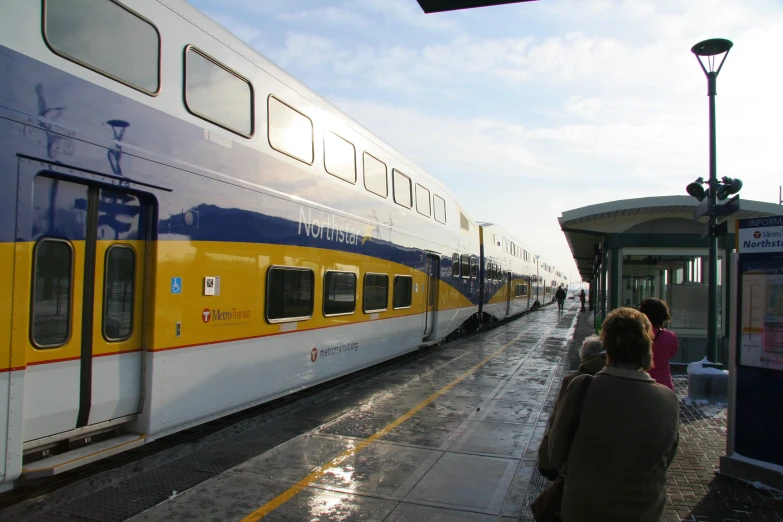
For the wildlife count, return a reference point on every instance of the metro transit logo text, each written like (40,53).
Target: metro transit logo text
(234,314)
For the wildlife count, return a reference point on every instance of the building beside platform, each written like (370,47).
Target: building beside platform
(632,249)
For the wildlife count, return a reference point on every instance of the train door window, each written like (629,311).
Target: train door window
(455,265)
(339,157)
(118,287)
(50,317)
(339,293)
(289,294)
(376,292)
(402,189)
(375,176)
(290,131)
(403,292)
(465,265)
(473,268)
(423,201)
(216,93)
(440,209)
(107,38)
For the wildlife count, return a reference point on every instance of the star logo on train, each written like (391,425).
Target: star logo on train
(367,233)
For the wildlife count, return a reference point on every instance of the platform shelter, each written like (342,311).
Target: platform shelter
(632,249)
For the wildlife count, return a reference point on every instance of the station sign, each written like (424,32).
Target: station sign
(760,235)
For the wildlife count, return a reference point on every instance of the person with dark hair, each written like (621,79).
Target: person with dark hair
(619,448)
(665,344)
(593,359)
(582,298)
(560,295)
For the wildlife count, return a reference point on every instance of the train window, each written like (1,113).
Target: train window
(375,173)
(290,131)
(339,157)
(473,267)
(403,292)
(455,265)
(289,294)
(376,292)
(118,292)
(50,324)
(339,293)
(106,37)
(465,265)
(463,222)
(439,208)
(423,201)
(402,189)
(217,94)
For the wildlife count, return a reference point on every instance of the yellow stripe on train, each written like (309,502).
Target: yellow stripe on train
(238,312)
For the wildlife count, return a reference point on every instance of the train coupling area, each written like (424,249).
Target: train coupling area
(448,433)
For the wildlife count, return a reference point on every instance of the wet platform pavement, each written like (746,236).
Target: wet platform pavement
(448,434)
(445,439)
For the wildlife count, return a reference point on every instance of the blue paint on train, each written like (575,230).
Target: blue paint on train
(53,116)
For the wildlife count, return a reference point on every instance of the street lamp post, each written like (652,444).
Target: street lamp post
(710,51)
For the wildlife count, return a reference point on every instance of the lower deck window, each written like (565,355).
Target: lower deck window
(465,265)
(376,292)
(403,291)
(118,293)
(339,293)
(50,315)
(289,294)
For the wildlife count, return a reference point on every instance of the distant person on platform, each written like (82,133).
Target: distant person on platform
(665,344)
(582,298)
(560,295)
(593,360)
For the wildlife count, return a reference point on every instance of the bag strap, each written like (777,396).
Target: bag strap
(585,385)
(574,426)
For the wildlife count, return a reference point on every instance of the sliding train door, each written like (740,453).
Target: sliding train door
(81,270)
(431,294)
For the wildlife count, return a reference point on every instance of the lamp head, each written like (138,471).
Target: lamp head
(696,190)
(707,51)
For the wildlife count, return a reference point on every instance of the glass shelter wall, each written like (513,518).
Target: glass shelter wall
(679,278)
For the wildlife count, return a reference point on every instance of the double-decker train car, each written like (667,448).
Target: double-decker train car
(188,231)
(509,274)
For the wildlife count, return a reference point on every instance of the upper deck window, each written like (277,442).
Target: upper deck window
(107,37)
(402,189)
(464,224)
(339,157)
(217,94)
(375,176)
(290,131)
(423,201)
(440,208)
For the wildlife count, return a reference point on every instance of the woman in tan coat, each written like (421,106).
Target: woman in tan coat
(627,433)
(593,359)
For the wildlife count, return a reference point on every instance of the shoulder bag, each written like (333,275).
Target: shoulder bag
(546,508)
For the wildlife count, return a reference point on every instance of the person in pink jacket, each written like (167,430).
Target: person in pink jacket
(665,343)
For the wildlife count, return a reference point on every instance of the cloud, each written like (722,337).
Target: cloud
(558,105)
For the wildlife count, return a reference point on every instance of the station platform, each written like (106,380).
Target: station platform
(449,433)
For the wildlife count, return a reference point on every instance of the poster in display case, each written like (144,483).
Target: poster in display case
(761,328)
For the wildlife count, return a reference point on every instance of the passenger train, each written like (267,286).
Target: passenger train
(186,231)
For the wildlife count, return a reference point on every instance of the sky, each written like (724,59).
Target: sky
(528,110)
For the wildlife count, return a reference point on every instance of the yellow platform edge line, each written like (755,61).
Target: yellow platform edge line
(319,472)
